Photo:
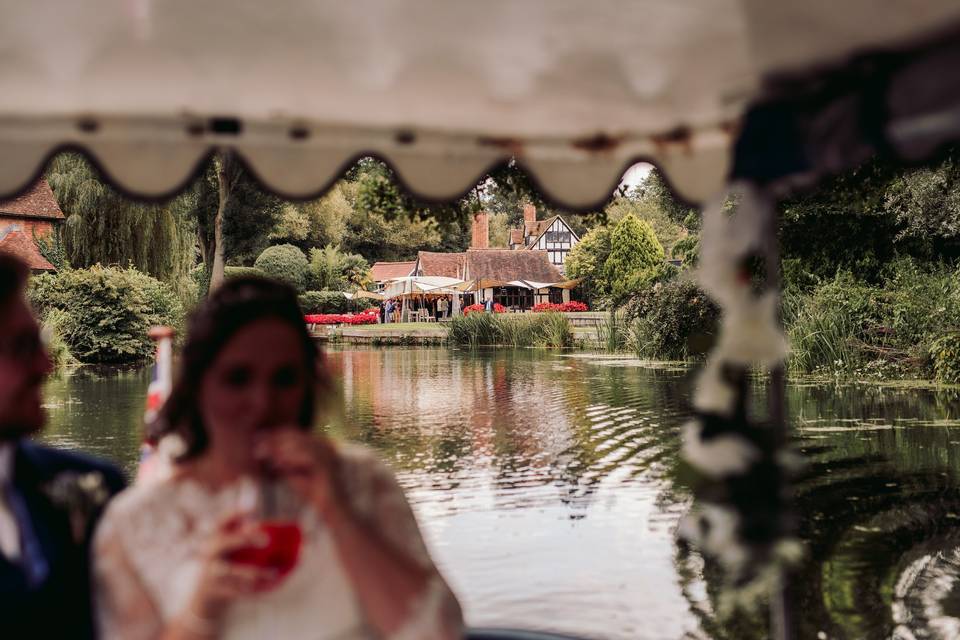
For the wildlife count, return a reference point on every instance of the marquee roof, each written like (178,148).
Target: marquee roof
(441,90)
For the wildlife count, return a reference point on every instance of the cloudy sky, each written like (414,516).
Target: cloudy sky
(635,174)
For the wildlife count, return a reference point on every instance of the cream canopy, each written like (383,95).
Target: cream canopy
(575,91)
(416,285)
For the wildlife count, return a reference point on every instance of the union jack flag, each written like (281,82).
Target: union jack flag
(161,382)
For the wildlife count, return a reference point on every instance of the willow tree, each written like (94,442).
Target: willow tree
(102,226)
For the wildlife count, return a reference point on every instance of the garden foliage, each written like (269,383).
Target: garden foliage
(613,263)
(673,319)
(329,302)
(634,250)
(945,353)
(848,325)
(511,329)
(104,313)
(242,272)
(586,261)
(286,263)
(335,270)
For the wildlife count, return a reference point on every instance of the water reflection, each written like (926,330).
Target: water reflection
(546,487)
(537,480)
(98,410)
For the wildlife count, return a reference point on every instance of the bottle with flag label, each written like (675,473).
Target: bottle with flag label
(152,462)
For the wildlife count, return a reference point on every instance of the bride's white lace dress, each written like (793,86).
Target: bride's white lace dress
(147,560)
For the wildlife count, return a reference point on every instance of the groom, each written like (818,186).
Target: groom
(49,499)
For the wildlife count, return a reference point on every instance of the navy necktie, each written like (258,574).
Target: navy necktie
(32,560)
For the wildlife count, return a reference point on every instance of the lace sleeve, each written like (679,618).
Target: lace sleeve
(378,497)
(124,610)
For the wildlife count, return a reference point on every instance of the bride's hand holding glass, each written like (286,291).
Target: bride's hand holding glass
(222,579)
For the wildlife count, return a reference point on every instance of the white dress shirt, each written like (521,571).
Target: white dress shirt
(9,529)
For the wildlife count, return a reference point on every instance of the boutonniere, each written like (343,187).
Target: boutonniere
(81,495)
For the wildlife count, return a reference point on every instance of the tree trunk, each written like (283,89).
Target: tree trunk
(225,172)
(206,247)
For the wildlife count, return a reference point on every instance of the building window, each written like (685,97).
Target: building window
(556,295)
(557,236)
(514,297)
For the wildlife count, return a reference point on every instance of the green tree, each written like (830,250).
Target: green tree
(634,253)
(319,222)
(104,313)
(234,215)
(373,236)
(655,191)
(334,270)
(667,230)
(286,263)
(507,189)
(499,230)
(103,226)
(586,261)
(391,224)
(926,203)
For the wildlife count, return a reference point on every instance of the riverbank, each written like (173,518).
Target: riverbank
(583,328)
(392,334)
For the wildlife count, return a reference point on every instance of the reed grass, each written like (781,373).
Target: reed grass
(613,332)
(822,337)
(511,330)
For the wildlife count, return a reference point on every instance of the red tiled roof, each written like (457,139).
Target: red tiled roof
(516,236)
(383,271)
(37,202)
(508,265)
(22,246)
(498,264)
(450,265)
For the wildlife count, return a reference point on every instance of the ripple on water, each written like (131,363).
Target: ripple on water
(545,487)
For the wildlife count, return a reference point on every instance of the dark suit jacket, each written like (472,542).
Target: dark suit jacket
(60,606)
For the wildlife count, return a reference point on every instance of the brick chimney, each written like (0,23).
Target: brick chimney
(480,238)
(529,219)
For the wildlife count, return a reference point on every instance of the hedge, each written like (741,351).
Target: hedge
(104,313)
(330,302)
(286,263)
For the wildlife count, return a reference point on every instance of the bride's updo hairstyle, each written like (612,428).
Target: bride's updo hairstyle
(237,303)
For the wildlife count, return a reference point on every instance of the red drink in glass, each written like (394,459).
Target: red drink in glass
(281,551)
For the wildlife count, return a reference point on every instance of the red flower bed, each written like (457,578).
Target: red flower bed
(497,308)
(573,305)
(336,318)
(545,306)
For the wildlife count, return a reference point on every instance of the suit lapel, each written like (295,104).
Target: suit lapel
(51,528)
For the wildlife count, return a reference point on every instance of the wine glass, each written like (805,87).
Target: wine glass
(278,511)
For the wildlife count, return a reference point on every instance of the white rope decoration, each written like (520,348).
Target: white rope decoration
(739,515)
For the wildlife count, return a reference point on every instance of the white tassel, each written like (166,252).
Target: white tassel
(721,456)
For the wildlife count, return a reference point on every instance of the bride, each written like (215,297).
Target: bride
(172,558)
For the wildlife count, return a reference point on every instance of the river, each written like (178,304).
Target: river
(546,487)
